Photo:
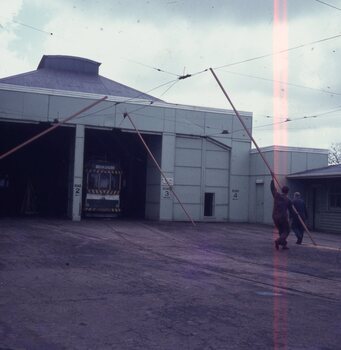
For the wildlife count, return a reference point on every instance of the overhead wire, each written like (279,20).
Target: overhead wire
(131,99)
(287,120)
(182,77)
(281,51)
(330,92)
(151,67)
(27,26)
(269,54)
(329,5)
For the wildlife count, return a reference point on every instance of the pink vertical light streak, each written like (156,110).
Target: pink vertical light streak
(280,70)
(280,112)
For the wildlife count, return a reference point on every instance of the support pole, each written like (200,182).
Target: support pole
(259,151)
(16,148)
(158,166)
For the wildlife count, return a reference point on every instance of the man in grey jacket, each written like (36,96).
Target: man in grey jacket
(296,224)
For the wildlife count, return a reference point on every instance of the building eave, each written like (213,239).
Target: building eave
(118,99)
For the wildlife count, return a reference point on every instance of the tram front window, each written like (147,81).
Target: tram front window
(92,181)
(104,181)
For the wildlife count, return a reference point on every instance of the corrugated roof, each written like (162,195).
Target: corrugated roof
(72,73)
(325,172)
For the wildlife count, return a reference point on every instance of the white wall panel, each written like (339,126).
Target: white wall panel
(188,157)
(188,142)
(217,159)
(217,177)
(187,176)
(193,210)
(188,194)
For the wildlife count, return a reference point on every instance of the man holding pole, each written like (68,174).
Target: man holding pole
(280,214)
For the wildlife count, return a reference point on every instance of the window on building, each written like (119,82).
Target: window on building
(335,197)
(209,204)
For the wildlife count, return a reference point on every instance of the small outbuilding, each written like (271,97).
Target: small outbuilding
(322,188)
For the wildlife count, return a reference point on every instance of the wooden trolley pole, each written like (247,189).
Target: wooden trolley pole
(16,148)
(259,151)
(158,166)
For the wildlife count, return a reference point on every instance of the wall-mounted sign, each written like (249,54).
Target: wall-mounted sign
(164,182)
(235,195)
(165,191)
(77,189)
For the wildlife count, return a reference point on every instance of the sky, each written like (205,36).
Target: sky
(295,95)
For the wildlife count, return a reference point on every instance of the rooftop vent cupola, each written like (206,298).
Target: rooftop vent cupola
(69,63)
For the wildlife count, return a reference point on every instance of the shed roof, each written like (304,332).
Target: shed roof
(319,173)
(70,73)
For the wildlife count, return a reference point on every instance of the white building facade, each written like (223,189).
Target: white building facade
(204,152)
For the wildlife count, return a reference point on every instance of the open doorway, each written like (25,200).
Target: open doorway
(125,150)
(37,174)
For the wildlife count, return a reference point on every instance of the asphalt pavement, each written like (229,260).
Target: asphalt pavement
(114,284)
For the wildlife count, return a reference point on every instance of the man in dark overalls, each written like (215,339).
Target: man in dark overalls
(280,214)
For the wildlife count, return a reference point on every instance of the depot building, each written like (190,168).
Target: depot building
(204,153)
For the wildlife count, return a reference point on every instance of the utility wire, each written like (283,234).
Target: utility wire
(281,51)
(151,67)
(182,77)
(267,55)
(131,99)
(287,120)
(175,82)
(283,82)
(28,26)
(336,109)
(325,3)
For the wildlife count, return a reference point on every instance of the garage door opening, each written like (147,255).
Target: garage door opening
(36,176)
(125,150)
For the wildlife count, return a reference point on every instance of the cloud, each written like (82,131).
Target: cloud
(12,61)
(187,37)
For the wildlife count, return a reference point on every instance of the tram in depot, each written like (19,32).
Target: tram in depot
(102,187)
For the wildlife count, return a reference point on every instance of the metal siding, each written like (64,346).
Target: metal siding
(153,187)
(37,105)
(12,104)
(315,160)
(187,176)
(216,123)
(169,120)
(221,212)
(189,122)
(298,162)
(189,194)
(217,160)
(329,221)
(188,142)
(167,165)
(188,157)
(193,210)
(62,107)
(149,119)
(216,177)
